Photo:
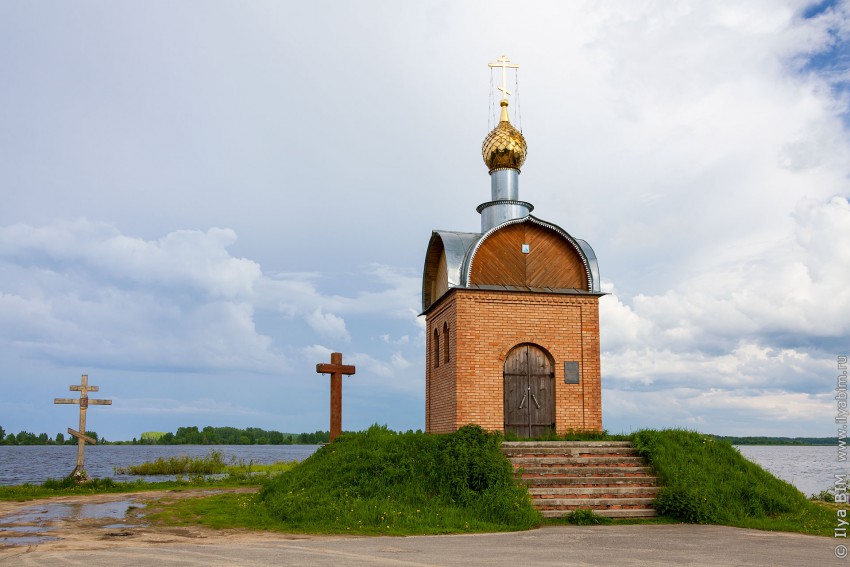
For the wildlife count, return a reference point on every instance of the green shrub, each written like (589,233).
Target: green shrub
(686,504)
(586,518)
(183,464)
(827,495)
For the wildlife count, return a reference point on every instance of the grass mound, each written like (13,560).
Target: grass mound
(379,481)
(707,481)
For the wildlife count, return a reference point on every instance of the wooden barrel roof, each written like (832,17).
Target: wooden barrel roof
(555,261)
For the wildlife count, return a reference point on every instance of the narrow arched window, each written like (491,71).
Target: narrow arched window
(446,338)
(436,349)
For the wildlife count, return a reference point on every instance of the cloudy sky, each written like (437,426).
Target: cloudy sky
(202,200)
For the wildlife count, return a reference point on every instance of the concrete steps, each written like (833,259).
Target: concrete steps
(608,477)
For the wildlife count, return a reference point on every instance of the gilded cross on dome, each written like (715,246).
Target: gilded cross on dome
(505,64)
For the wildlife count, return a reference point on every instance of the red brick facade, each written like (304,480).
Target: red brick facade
(483,326)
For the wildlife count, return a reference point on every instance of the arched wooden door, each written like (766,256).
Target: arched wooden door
(529,391)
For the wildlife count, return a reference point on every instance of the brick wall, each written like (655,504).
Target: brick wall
(484,327)
(440,381)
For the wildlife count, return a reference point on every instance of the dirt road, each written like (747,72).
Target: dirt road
(99,530)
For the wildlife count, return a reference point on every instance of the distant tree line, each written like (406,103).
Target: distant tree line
(778,440)
(256,436)
(184,436)
(27,438)
(231,436)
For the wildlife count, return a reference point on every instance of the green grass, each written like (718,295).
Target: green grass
(211,463)
(707,481)
(372,482)
(108,486)
(585,518)
(59,487)
(382,482)
(221,511)
(253,469)
(379,481)
(237,475)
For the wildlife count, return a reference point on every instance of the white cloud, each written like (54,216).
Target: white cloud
(396,294)
(689,134)
(750,333)
(190,259)
(83,293)
(328,325)
(402,340)
(317,352)
(747,365)
(366,363)
(719,411)
(622,326)
(396,374)
(794,286)
(693,144)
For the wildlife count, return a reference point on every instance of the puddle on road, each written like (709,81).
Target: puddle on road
(40,519)
(21,529)
(123,526)
(25,540)
(73,511)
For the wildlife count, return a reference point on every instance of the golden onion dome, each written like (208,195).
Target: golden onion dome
(504,147)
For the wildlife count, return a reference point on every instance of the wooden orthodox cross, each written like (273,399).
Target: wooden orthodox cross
(84,402)
(336,369)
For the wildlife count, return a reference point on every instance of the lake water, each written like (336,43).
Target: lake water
(37,463)
(810,469)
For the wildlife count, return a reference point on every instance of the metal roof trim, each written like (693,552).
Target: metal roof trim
(525,204)
(594,264)
(557,290)
(455,244)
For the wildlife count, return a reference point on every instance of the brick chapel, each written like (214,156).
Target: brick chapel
(512,312)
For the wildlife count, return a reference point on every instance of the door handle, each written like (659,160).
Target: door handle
(522,403)
(535,401)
